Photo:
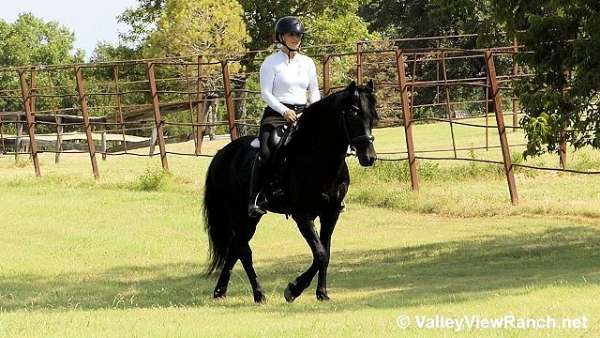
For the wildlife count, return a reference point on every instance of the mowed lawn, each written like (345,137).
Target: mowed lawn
(108,259)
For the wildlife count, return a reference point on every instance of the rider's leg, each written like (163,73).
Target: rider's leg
(257,203)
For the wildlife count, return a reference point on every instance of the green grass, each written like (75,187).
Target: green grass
(124,256)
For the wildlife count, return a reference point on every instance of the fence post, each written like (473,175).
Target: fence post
(199,109)
(508,166)
(326,78)
(515,72)
(59,142)
(158,122)
(33,91)
(119,104)
(229,100)
(153,138)
(86,120)
(2,136)
(19,126)
(407,112)
(486,110)
(30,122)
(448,102)
(104,145)
(359,67)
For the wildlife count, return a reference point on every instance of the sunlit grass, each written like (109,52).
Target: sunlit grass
(123,256)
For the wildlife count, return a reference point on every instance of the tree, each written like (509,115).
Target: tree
(342,30)
(31,41)
(329,21)
(199,27)
(398,19)
(142,20)
(421,18)
(561,100)
(261,17)
(105,52)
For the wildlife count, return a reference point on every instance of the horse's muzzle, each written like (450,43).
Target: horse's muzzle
(366,154)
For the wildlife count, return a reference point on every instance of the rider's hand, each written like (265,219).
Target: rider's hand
(290,115)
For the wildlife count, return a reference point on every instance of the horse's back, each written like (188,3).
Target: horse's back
(233,148)
(235,153)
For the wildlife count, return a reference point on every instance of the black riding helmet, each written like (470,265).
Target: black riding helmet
(288,24)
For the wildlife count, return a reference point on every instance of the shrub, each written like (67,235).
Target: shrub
(151,180)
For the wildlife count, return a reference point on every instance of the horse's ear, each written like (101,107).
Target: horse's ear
(370,86)
(351,87)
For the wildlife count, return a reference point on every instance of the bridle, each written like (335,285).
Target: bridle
(353,110)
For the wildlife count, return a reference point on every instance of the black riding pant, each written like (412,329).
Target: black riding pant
(269,122)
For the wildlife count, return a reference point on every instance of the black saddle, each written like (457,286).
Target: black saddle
(281,136)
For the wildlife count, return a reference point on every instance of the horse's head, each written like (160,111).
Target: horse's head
(358,116)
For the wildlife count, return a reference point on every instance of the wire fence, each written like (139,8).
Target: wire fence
(117,107)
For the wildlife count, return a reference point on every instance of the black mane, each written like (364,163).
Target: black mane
(340,100)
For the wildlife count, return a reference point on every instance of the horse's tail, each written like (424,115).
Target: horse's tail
(217,225)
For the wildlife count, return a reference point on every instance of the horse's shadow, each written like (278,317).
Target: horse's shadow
(439,273)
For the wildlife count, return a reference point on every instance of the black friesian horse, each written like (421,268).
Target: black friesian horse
(315,180)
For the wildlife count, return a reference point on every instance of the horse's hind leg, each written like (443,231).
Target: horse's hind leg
(223,281)
(246,258)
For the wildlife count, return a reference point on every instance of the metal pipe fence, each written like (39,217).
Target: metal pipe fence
(171,95)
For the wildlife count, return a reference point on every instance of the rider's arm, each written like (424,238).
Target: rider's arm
(313,85)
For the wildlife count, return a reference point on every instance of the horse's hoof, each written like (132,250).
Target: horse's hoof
(259,297)
(219,293)
(287,293)
(322,296)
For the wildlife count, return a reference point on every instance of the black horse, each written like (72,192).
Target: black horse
(315,180)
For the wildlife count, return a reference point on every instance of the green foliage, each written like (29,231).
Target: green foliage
(116,261)
(105,52)
(428,171)
(152,179)
(341,29)
(426,18)
(22,162)
(198,27)
(261,16)
(585,162)
(142,21)
(31,41)
(408,19)
(561,100)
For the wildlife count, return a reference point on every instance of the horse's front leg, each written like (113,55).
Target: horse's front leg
(320,258)
(328,222)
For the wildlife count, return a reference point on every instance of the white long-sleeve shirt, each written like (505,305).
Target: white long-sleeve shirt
(287,81)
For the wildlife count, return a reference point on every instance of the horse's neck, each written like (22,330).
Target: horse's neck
(322,135)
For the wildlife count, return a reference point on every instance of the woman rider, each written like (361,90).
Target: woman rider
(288,81)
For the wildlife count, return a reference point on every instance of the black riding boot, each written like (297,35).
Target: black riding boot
(257,205)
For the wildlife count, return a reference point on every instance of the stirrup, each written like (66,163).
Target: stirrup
(257,208)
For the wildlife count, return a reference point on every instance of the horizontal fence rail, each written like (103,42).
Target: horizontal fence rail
(144,103)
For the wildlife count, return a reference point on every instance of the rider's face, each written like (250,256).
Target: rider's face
(292,39)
